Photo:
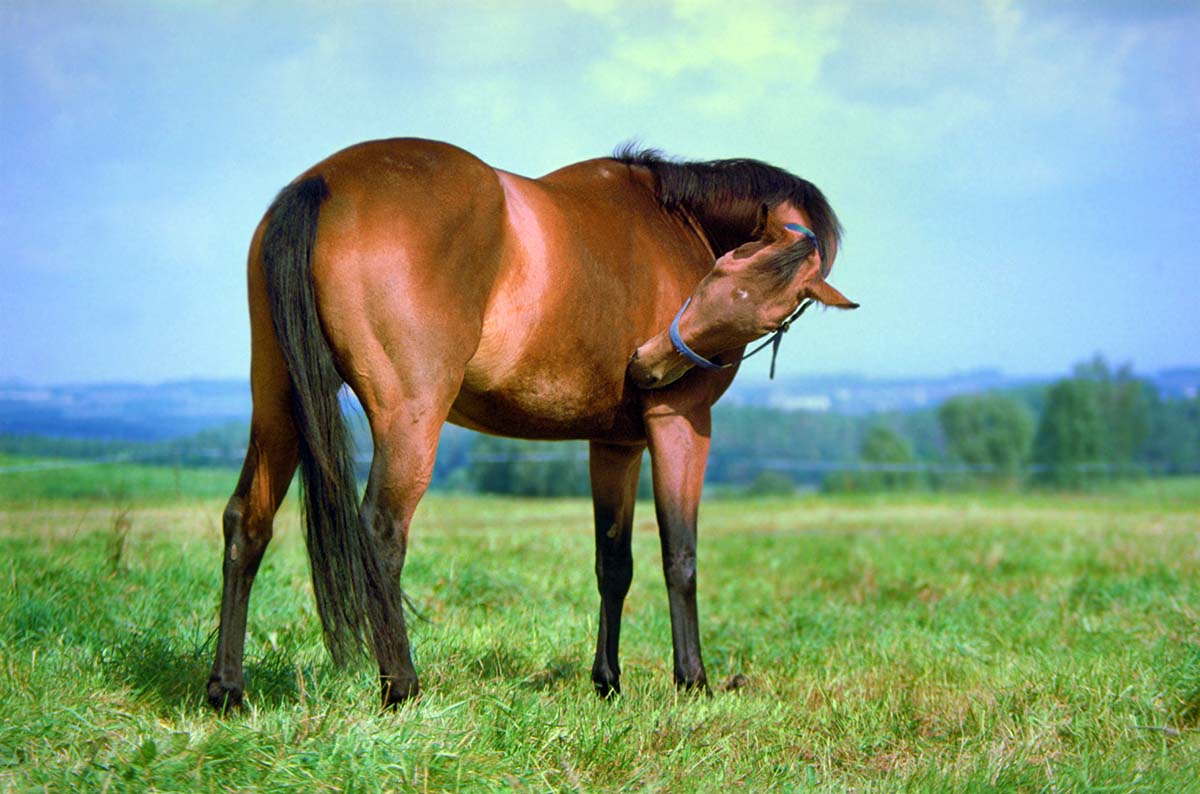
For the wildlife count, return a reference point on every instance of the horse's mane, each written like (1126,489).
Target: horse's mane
(725,195)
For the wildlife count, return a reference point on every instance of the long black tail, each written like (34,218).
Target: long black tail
(355,598)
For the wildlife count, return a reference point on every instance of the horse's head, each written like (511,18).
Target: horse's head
(751,291)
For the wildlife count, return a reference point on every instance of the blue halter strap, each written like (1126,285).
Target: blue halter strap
(807,232)
(681,346)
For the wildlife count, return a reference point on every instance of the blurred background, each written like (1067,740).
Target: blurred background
(1018,182)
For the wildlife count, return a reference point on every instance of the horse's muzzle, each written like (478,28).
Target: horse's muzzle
(639,374)
(646,374)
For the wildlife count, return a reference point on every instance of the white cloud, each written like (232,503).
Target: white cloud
(1003,82)
(714,57)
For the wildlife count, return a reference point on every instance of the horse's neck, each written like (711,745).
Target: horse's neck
(726,227)
(693,224)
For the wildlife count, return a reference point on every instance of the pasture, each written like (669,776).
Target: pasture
(890,643)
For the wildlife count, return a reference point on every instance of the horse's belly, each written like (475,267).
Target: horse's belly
(549,408)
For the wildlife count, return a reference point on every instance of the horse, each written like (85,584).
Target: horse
(438,288)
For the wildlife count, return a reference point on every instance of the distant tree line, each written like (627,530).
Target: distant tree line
(1097,424)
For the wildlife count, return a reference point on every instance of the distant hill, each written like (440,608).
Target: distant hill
(859,394)
(124,411)
(176,409)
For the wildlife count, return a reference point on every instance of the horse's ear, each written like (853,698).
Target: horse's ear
(769,228)
(824,292)
(760,226)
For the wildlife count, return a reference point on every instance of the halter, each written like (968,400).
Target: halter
(775,339)
(704,363)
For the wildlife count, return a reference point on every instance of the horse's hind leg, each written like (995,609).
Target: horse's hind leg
(267,471)
(614,472)
(405,438)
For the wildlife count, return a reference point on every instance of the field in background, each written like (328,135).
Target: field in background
(1023,642)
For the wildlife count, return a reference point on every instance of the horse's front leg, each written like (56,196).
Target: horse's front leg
(679,444)
(614,472)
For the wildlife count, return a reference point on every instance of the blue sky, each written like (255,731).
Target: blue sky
(1020,182)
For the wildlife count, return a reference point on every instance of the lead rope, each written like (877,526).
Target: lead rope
(777,337)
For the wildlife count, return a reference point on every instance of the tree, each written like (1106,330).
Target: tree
(1125,403)
(889,461)
(528,468)
(1173,444)
(769,482)
(1069,444)
(990,433)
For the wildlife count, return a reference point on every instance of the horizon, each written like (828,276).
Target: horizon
(1017,179)
(743,379)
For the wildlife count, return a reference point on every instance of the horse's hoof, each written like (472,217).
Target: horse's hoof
(697,686)
(397,691)
(224,697)
(607,690)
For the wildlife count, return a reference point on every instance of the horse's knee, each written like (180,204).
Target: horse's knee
(245,533)
(387,533)
(680,571)
(614,575)
(231,519)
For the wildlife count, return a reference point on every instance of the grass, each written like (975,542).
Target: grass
(31,481)
(893,643)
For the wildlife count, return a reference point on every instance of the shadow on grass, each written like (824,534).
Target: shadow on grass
(73,602)
(176,675)
(503,664)
(557,673)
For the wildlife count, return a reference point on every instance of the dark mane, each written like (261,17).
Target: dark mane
(725,195)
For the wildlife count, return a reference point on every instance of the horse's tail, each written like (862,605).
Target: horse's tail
(351,589)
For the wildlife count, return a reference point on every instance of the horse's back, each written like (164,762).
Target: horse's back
(410,186)
(399,160)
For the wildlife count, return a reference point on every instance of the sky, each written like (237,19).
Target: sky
(1019,181)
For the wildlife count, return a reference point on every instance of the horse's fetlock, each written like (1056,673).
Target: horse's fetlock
(606,681)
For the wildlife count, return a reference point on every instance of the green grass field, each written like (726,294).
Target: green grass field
(933,642)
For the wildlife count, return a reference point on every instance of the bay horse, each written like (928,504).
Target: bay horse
(441,289)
